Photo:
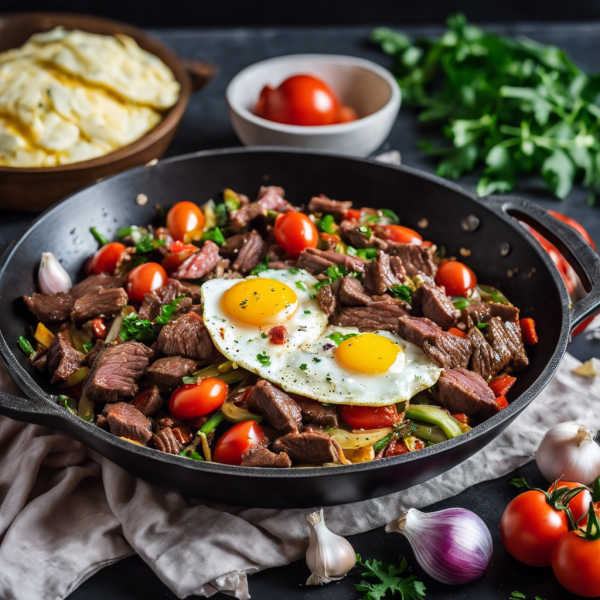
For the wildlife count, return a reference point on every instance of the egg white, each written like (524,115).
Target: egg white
(306,365)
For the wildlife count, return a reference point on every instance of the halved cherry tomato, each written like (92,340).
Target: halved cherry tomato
(457,278)
(180,252)
(398,233)
(234,443)
(99,328)
(575,225)
(185,219)
(145,279)
(352,214)
(198,399)
(179,246)
(576,564)
(530,336)
(456,331)
(501,402)
(106,258)
(462,418)
(580,504)
(530,528)
(299,100)
(294,231)
(369,417)
(501,385)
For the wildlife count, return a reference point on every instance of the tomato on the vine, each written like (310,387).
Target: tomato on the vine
(294,232)
(144,279)
(457,278)
(233,444)
(576,564)
(580,504)
(106,258)
(198,399)
(369,417)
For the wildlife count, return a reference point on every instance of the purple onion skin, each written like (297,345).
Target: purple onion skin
(453,546)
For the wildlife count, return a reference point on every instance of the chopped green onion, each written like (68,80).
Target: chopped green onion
(214,235)
(402,292)
(482,325)
(69,403)
(390,214)
(98,236)
(87,346)
(25,346)
(264,359)
(301,286)
(460,303)
(187,453)
(189,380)
(261,267)
(293,270)
(212,423)
(326,224)
(371,219)
(365,231)
(336,271)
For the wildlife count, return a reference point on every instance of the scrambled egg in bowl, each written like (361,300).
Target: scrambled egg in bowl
(68,96)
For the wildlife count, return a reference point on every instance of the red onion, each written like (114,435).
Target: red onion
(452,546)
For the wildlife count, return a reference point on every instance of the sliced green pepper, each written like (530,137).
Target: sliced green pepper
(98,236)
(430,433)
(460,302)
(212,423)
(436,416)
(25,345)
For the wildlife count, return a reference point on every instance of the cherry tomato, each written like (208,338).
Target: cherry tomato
(457,278)
(396,448)
(576,564)
(99,328)
(145,279)
(398,233)
(106,258)
(368,417)
(198,399)
(180,252)
(185,219)
(294,231)
(299,100)
(530,529)
(580,504)
(575,225)
(237,441)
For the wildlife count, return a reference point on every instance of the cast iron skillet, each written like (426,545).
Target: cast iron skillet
(525,274)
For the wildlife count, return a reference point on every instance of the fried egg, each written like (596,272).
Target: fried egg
(337,365)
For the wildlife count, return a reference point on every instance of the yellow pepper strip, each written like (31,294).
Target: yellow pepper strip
(43,335)
(78,376)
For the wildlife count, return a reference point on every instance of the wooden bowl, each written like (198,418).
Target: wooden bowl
(34,189)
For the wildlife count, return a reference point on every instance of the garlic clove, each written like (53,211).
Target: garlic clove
(52,277)
(590,368)
(329,556)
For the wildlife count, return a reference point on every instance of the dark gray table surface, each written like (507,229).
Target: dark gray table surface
(206,125)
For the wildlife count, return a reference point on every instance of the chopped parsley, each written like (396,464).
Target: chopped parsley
(336,271)
(214,235)
(304,366)
(365,231)
(400,291)
(326,224)
(316,360)
(147,244)
(319,285)
(301,286)
(135,328)
(391,215)
(263,335)
(264,359)
(328,378)
(166,312)
(263,266)
(294,270)
(25,345)
(307,312)
(388,578)
(87,346)
(338,337)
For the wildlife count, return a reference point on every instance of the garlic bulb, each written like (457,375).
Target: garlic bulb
(329,556)
(52,278)
(568,450)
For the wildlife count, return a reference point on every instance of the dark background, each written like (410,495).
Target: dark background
(203,13)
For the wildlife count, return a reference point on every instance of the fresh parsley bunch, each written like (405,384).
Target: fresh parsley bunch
(511,106)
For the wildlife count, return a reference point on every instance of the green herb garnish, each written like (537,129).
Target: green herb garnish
(365,231)
(214,235)
(264,359)
(319,285)
(336,271)
(263,335)
(221,214)
(25,345)
(482,325)
(263,266)
(301,286)
(371,219)
(188,380)
(166,312)
(304,366)
(294,270)
(364,253)
(87,346)
(98,236)
(148,244)
(135,328)
(389,579)
(402,292)
(338,338)
(391,215)
(326,224)
(460,302)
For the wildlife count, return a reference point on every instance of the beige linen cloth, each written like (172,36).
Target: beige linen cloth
(67,512)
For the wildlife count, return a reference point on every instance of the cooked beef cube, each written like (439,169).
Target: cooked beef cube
(435,305)
(462,391)
(183,434)
(478,312)
(154,301)
(481,312)
(328,301)
(323,204)
(102,422)
(201,263)
(275,406)
(149,402)
(449,351)
(165,441)
(279,264)
(57,307)
(41,361)
(484,360)
(505,311)
(416,259)
(278,335)
(352,292)
(505,338)
(309,447)
(240,219)
(246,250)
(62,360)
(383,273)
(116,370)
(90,357)
(381,316)
(269,198)
(105,303)
(187,336)
(168,372)
(317,261)
(262,457)
(314,412)
(353,237)
(127,421)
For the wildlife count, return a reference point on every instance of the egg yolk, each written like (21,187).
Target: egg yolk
(367,353)
(259,302)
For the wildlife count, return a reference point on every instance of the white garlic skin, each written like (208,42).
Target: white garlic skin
(329,556)
(568,450)
(52,278)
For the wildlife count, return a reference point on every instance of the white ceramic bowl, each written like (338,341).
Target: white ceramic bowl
(368,88)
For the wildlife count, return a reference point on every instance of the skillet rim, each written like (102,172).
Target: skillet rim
(506,415)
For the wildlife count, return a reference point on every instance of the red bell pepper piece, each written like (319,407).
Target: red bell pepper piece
(501,385)
(528,331)
(457,332)
(352,215)
(461,418)
(501,402)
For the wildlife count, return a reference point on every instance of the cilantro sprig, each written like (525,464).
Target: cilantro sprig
(507,106)
(166,312)
(401,291)
(263,266)
(396,581)
(136,328)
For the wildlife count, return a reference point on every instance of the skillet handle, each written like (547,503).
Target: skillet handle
(578,253)
(30,410)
